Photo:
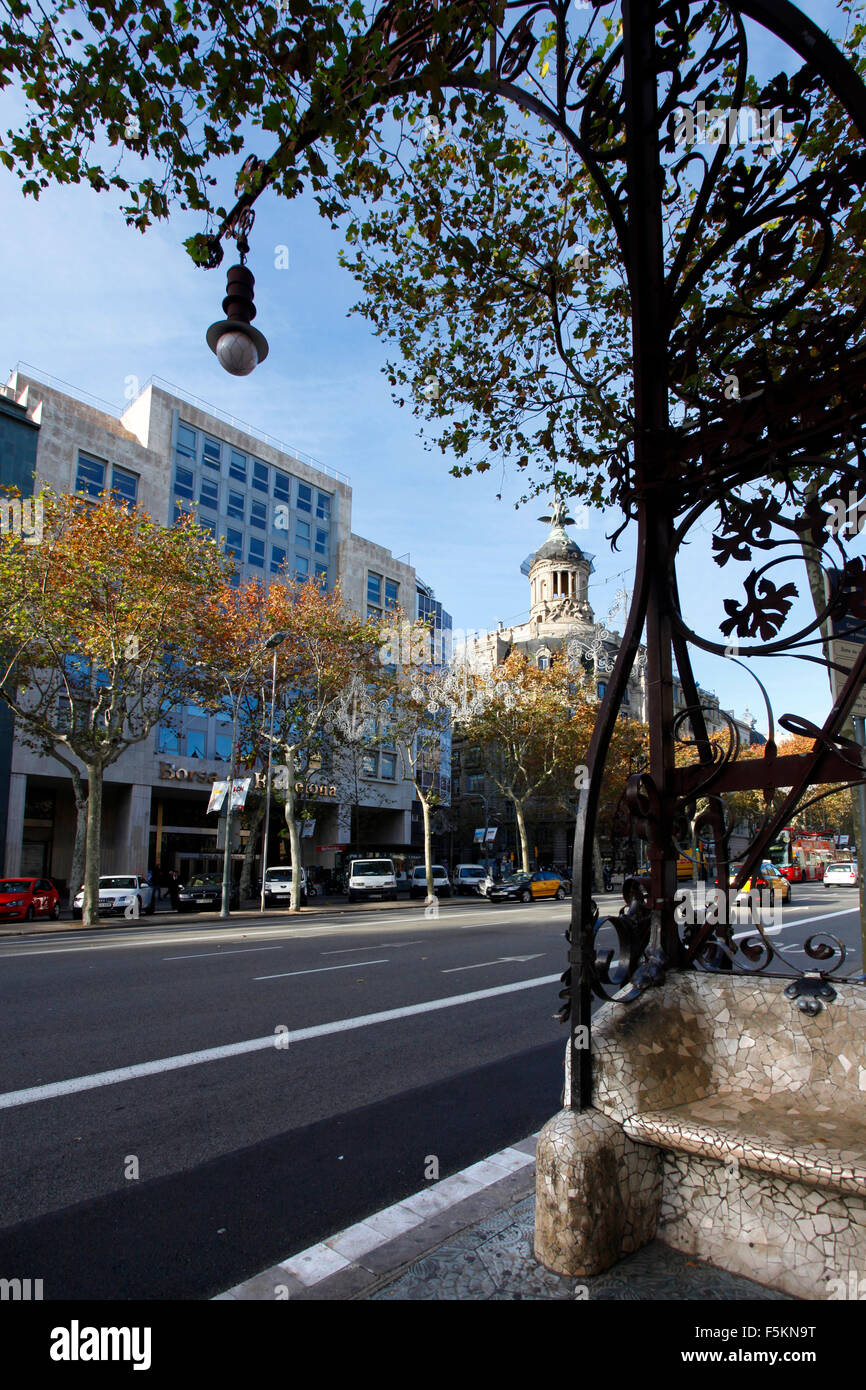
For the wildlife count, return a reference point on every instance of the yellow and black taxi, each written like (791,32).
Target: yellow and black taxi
(523,887)
(768,877)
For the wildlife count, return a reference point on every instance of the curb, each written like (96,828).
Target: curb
(363,1258)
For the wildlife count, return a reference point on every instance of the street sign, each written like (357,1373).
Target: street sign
(491,833)
(479,836)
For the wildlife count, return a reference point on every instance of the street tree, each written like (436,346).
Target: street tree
(325,650)
(100,625)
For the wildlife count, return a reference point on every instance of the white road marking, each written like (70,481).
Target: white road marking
(322,969)
(54,1089)
(797,922)
(243,951)
(452,970)
(380,946)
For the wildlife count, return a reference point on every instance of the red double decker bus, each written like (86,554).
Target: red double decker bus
(801,856)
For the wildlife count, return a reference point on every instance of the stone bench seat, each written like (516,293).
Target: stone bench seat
(699,1071)
(804,1137)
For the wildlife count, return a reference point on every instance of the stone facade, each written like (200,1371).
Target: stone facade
(758,1114)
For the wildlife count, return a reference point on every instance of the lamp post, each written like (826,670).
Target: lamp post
(271,645)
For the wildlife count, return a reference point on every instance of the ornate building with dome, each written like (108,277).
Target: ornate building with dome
(561,619)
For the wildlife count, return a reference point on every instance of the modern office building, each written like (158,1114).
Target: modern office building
(19,433)
(271,507)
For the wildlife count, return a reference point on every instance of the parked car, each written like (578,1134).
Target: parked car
(524,887)
(840,875)
(25,898)
(278,886)
(418,886)
(472,878)
(117,896)
(205,891)
(768,876)
(372,878)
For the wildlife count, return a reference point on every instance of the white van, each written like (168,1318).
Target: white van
(418,882)
(372,878)
(278,886)
(472,878)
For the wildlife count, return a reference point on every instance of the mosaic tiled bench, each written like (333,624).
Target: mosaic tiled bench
(727,1123)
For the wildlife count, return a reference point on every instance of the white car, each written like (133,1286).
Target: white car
(127,895)
(278,886)
(840,876)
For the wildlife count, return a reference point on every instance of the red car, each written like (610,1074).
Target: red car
(25,898)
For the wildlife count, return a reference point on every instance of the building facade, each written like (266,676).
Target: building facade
(561,620)
(270,507)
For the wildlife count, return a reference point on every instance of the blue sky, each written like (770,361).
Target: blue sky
(93,302)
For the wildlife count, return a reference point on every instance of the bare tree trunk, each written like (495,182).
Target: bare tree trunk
(294,832)
(76,872)
(257,816)
(428,843)
(90,907)
(521,830)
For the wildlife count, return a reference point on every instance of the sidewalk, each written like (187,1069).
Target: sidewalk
(469,1238)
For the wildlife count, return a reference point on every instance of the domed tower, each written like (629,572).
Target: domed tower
(559,574)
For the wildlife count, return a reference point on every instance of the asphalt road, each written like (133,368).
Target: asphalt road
(295,1127)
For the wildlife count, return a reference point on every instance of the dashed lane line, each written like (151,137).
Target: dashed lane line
(54,1089)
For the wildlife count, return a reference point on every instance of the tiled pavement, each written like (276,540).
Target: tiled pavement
(469,1238)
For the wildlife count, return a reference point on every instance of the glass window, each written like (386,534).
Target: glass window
(195,743)
(370,765)
(186,441)
(211,453)
(260,476)
(281,486)
(259,515)
(323,506)
(305,497)
(234,542)
(210,494)
(224,747)
(183,482)
(322,576)
(235,506)
(302,565)
(302,533)
(602,689)
(208,525)
(278,558)
(124,485)
(321,542)
(390,593)
(167,741)
(256,554)
(374,588)
(389,766)
(91,476)
(238,465)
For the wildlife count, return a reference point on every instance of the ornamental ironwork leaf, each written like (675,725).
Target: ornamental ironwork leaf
(743,525)
(764,612)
